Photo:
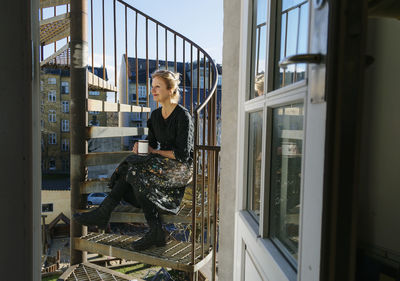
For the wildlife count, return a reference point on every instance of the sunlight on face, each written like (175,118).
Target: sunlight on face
(159,90)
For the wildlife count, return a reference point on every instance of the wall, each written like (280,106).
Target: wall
(379,192)
(229,107)
(20,142)
(61,200)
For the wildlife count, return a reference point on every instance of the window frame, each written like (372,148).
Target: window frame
(272,98)
(64,125)
(49,205)
(64,87)
(52,96)
(52,79)
(52,116)
(65,106)
(52,138)
(65,144)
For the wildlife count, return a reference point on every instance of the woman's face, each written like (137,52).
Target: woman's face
(159,90)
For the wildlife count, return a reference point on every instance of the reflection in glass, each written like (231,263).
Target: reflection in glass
(293,32)
(259,44)
(254,163)
(286,158)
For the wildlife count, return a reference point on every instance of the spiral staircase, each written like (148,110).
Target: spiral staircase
(198,216)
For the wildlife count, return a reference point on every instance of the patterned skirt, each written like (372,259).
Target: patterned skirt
(160,179)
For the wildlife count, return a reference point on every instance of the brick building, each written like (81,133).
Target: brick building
(55,118)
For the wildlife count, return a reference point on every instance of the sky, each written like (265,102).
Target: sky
(200,21)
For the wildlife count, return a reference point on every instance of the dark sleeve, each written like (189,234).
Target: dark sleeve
(151,137)
(184,138)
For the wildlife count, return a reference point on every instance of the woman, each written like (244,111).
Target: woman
(157,180)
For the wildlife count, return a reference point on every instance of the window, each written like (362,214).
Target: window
(65,145)
(292,30)
(258,49)
(52,96)
(65,165)
(52,115)
(65,106)
(41,85)
(52,138)
(52,81)
(52,164)
(65,87)
(47,207)
(254,163)
(286,158)
(42,125)
(64,125)
(273,132)
(94,93)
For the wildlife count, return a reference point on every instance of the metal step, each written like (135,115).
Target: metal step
(95,132)
(175,255)
(61,54)
(54,29)
(130,214)
(104,106)
(95,83)
(89,271)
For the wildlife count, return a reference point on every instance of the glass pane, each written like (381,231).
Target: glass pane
(254,163)
(286,158)
(259,42)
(293,32)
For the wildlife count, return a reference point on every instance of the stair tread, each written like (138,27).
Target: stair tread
(176,254)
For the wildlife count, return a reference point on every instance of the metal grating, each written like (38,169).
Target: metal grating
(175,254)
(54,29)
(91,272)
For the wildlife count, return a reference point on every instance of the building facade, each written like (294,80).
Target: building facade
(55,118)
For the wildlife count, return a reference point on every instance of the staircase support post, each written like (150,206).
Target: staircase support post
(79,118)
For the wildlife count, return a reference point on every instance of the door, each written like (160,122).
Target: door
(282,117)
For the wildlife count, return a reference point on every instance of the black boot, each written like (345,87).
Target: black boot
(154,237)
(100,216)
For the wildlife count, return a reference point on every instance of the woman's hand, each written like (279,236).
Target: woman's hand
(135,148)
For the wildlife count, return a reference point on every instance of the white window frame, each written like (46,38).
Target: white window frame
(65,125)
(65,85)
(65,145)
(65,106)
(52,116)
(52,138)
(94,93)
(52,81)
(253,235)
(52,96)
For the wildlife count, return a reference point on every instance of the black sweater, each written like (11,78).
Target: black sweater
(174,133)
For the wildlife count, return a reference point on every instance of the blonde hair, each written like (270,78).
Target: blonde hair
(259,84)
(171,79)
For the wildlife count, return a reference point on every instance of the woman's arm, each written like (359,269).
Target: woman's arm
(184,138)
(165,153)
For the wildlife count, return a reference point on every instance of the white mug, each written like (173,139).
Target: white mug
(143,147)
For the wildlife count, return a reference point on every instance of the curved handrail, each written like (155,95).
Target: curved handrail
(212,150)
(215,70)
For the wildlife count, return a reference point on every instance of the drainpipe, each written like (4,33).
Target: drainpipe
(79,116)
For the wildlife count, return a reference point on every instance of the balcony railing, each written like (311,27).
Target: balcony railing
(120,30)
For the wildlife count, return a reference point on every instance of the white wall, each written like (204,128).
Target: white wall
(379,194)
(229,107)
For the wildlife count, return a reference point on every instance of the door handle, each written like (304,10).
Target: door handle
(301,58)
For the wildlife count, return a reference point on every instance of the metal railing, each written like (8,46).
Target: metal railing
(199,83)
